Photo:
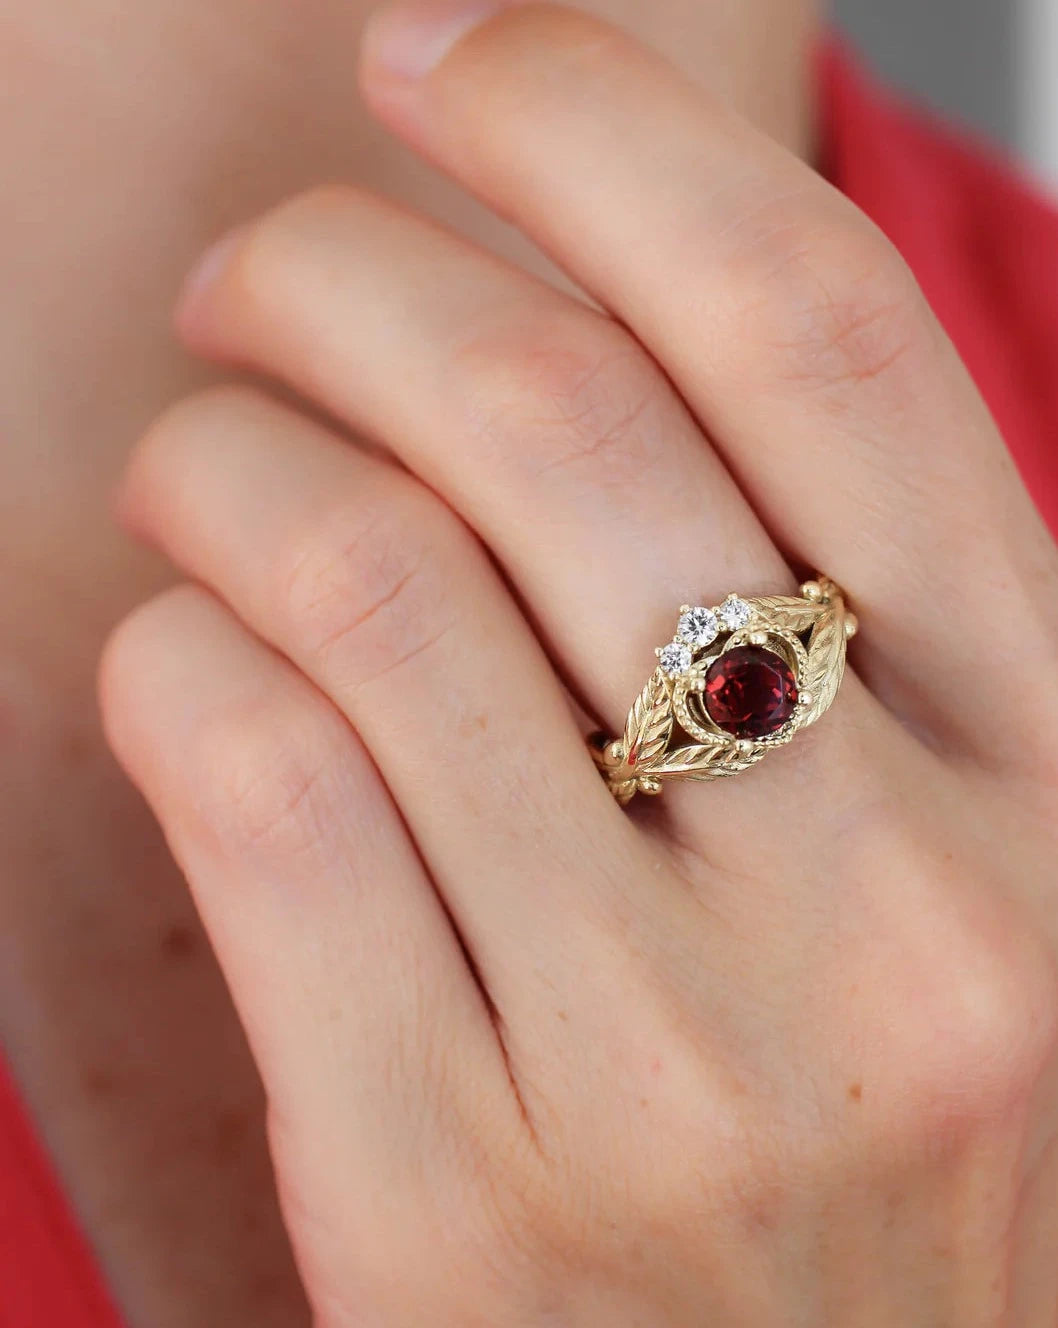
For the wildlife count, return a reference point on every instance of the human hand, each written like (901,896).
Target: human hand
(779,1050)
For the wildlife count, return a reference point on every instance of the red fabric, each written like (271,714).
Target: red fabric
(985,249)
(48,1278)
(982,244)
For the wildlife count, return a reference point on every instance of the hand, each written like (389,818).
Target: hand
(778,1050)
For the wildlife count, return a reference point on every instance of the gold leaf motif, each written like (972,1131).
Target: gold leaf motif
(795,615)
(649,724)
(708,762)
(826,662)
(641,760)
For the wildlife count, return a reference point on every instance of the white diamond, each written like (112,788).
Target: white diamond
(698,627)
(675,657)
(734,613)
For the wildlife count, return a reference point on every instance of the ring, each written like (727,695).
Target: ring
(711,710)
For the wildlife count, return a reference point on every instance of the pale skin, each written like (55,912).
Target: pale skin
(777,1051)
(135,138)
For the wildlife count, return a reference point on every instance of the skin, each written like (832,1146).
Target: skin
(529,1058)
(513,1143)
(136,142)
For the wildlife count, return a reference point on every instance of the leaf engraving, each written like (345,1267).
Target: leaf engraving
(826,662)
(649,725)
(784,611)
(708,761)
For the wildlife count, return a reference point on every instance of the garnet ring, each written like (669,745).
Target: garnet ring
(737,680)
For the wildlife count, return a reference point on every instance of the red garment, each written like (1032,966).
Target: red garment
(47,1276)
(982,244)
(985,249)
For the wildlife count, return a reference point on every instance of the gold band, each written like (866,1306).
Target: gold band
(737,680)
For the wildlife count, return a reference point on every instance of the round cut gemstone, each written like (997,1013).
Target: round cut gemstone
(750,691)
(734,613)
(698,627)
(675,657)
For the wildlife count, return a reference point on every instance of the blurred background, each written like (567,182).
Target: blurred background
(991,63)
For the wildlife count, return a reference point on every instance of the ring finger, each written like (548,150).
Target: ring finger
(378,593)
(541,420)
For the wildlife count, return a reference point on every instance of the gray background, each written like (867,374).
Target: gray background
(958,55)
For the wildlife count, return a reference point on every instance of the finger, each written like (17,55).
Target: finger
(373,588)
(373,1039)
(541,420)
(784,318)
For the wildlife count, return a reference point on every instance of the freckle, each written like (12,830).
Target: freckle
(655,1065)
(76,747)
(564,1016)
(266,1286)
(856,1092)
(644,1102)
(98,1082)
(180,942)
(471,725)
(760,1218)
(229,1132)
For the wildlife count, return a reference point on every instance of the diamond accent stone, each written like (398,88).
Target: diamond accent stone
(675,657)
(734,613)
(698,627)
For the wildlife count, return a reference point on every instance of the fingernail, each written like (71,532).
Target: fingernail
(410,38)
(205,272)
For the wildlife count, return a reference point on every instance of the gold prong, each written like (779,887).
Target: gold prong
(651,787)
(758,638)
(685,608)
(812,590)
(852,626)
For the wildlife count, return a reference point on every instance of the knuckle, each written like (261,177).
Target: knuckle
(835,308)
(968,1024)
(275,249)
(130,696)
(364,591)
(565,393)
(263,779)
(995,1032)
(211,413)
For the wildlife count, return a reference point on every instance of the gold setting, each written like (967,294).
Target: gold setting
(669,733)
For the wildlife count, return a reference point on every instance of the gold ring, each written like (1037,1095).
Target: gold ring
(737,680)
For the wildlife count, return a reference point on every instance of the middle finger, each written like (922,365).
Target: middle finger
(544,422)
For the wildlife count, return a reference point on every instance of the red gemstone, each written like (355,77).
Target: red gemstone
(750,691)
